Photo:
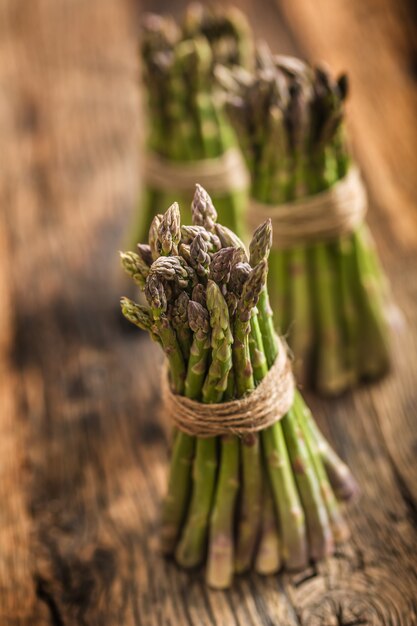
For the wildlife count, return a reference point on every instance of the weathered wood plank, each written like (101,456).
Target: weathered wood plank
(19,605)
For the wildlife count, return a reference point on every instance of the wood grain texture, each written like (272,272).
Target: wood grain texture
(18,602)
(83,444)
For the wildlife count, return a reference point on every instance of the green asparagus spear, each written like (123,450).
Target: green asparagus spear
(191,549)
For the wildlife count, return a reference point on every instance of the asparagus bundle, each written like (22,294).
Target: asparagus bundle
(265,499)
(188,131)
(328,294)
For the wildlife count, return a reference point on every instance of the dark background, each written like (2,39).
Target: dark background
(83,446)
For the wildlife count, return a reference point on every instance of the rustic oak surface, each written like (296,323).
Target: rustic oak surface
(83,446)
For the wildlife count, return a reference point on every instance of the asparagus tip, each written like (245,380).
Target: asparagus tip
(202,209)
(261,243)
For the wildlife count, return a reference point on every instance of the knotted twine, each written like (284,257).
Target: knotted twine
(321,217)
(260,408)
(219,175)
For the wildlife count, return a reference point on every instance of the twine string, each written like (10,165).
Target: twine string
(258,410)
(321,217)
(219,175)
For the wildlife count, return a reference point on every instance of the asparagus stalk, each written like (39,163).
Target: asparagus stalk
(268,557)
(178,491)
(338,525)
(332,377)
(179,479)
(219,571)
(259,249)
(373,344)
(320,538)
(300,312)
(191,549)
(250,505)
(339,475)
(162,272)
(287,502)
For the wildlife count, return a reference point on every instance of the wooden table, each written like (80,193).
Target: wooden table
(83,447)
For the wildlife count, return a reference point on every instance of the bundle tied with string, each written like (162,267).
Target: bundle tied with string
(189,138)
(252,481)
(327,289)
(258,410)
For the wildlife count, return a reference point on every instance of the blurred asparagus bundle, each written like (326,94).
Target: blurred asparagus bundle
(329,295)
(266,499)
(185,118)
